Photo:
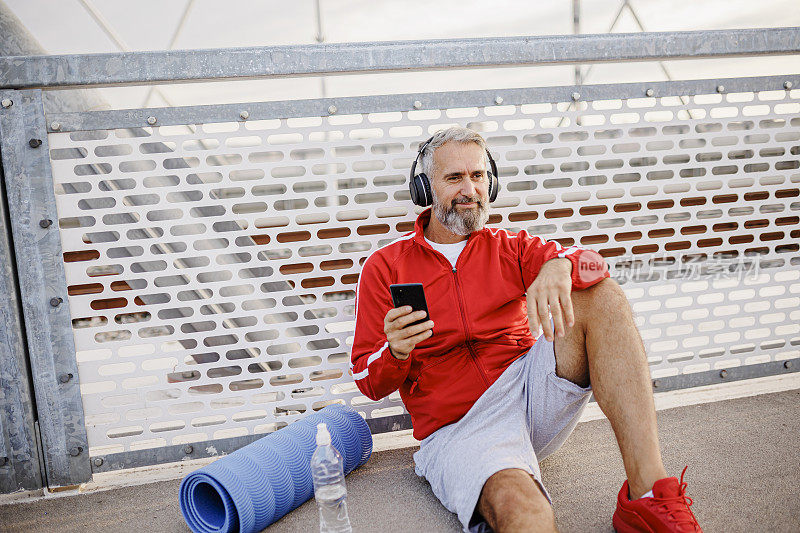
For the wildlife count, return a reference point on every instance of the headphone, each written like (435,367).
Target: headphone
(420,186)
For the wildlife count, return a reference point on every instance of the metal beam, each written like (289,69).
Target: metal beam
(19,451)
(133,68)
(43,287)
(205,114)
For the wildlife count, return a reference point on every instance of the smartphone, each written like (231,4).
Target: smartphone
(410,294)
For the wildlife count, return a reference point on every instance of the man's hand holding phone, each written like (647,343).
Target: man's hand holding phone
(402,337)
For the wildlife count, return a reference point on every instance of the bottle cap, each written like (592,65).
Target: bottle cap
(323,435)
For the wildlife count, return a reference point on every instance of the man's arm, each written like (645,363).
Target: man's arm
(556,272)
(588,266)
(382,344)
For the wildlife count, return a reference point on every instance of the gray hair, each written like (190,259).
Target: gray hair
(453,134)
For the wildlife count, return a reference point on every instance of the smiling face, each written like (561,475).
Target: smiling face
(460,188)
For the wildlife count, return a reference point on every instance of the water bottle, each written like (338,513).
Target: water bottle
(327,471)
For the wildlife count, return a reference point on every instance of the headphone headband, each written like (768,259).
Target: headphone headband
(419,153)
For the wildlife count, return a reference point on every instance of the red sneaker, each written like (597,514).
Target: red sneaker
(667,512)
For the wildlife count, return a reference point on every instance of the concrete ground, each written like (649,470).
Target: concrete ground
(744,475)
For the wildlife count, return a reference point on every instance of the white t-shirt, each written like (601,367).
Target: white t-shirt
(450,251)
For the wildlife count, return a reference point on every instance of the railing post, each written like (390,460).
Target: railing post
(19,452)
(42,288)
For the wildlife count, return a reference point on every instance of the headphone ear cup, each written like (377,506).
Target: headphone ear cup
(426,198)
(494,182)
(420,190)
(413,190)
(494,187)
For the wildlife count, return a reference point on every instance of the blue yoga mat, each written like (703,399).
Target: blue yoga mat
(256,485)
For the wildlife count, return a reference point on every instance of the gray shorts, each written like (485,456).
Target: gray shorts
(525,415)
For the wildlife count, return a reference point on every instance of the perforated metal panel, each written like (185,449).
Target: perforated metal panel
(212,267)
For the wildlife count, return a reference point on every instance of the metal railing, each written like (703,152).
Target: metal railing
(186,275)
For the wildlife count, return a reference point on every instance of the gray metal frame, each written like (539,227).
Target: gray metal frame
(43,288)
(204,114)
(315,59)
(19,454)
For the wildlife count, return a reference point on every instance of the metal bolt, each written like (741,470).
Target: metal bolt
(98,461)
(720,88)
(64,378)
(151,120)
(649,92)
(244,115)
(188,449)
(417,104)
(656,383)
(35,143)
(55,302)
(576,96)
(787,85)
(75,451)
(723,373)
(332,110)
(787,364)
(7,103)
(498,100)
(45,223)
(55,126)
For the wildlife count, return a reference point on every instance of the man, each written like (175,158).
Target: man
(486,400)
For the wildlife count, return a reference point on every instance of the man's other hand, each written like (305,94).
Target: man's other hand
(402,339)
(551,290)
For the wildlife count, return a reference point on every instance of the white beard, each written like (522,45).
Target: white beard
(461,222)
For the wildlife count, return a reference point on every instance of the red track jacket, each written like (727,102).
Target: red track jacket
(478,308)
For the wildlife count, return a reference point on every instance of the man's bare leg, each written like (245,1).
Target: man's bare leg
(511,500)
(605,345)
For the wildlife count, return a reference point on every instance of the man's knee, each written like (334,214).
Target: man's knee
(510,492)
(605,296)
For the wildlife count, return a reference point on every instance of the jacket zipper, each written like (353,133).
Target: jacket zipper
(472,354)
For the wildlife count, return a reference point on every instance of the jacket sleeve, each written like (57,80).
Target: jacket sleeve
(588,266)
(376,372)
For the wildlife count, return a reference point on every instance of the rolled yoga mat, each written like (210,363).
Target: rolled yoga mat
(256,485)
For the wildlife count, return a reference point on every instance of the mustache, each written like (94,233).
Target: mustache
(466,200)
